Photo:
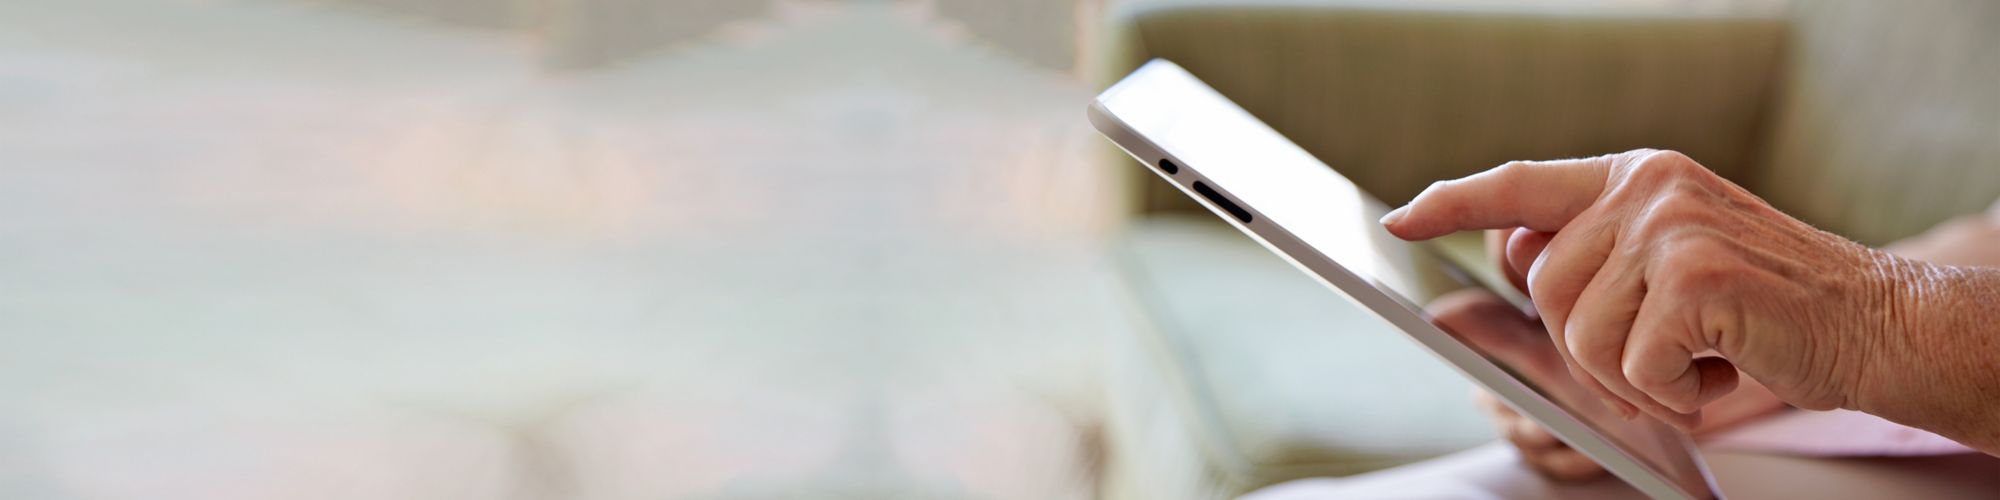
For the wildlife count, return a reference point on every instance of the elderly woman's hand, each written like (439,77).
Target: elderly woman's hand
(1644,262)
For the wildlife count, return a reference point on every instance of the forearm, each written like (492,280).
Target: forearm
(1939,367)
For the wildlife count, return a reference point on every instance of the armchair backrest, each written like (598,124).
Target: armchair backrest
(1889,120)
(1873,119)
(1396,98)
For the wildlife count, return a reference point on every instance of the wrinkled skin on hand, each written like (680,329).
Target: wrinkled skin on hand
(1662,260)
(1658,281)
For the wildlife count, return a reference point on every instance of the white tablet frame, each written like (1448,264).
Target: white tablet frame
(1589,438)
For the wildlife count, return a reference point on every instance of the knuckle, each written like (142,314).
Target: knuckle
(1664,170)
(1509,179)
(1672,214)
(1671,156)
(1555,296)
(1648,380)
(1512,170)
(1595,350)
(1650,229)
(1659,166)
(1431,193)
(1689,281)
(1682,202)
(1542,288)
(1695,262)
(1697,273)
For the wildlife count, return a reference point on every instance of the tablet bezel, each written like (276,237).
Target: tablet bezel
(1388,305)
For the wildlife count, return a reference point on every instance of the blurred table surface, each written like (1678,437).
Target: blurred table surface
(261,249)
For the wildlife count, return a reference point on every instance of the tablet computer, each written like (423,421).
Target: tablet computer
(1283,197)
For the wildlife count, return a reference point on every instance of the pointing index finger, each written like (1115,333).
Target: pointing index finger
(1538,195)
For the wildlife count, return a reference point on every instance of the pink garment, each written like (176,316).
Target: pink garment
(1490,472)
(1838,433)
(1495,472)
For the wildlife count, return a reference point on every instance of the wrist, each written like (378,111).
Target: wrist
(1928,363)
(1899,292)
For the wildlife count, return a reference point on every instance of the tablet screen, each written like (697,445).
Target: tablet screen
(1176,116)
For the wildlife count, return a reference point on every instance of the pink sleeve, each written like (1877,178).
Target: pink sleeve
(1838,433)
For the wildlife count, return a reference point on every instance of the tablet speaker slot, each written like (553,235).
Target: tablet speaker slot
(1224,203)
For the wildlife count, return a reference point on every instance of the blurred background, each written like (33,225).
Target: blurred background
(495,249)
(749,249)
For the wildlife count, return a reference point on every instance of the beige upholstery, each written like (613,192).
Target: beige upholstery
(1890,121)
(1397,99)
(1871,119)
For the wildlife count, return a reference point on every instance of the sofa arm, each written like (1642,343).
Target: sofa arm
(1398,97)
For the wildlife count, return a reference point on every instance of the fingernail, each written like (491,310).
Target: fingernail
(1395,215)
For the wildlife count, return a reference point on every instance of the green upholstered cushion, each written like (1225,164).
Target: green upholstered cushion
(1279,376)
